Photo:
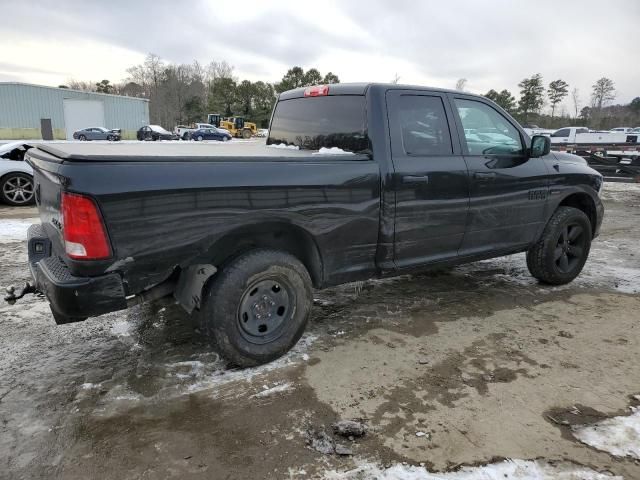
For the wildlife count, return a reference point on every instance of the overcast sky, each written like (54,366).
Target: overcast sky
(492,43)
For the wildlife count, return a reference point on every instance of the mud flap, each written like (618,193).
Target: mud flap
(188,292)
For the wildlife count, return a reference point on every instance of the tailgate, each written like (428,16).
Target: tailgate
(48,186)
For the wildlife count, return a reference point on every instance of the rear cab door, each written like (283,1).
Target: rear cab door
(429,177)
(508,189)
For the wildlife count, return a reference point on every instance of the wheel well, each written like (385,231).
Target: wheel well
(583,202)
(288,238)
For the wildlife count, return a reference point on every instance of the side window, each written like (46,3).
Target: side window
(486,131)
(423,125)
(563,132)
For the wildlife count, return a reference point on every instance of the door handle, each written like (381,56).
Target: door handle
(484,175)
(415,179)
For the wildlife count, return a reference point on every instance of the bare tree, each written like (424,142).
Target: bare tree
(396,78)
(81,85)
(603,92)
(575,96)
(557,90)
(461,84)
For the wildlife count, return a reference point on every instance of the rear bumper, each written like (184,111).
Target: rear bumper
(71,296)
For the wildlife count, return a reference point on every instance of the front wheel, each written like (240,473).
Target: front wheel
(563,249)
(257,307)
(246,134)
(82,138)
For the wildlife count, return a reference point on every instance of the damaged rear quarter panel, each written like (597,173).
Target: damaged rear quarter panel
(167,214)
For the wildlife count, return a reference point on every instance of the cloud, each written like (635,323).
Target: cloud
(492,44)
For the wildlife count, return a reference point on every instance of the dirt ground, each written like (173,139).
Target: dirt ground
(466,367)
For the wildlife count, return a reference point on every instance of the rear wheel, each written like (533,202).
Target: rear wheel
(17,189)
(563,249)
(257,307)
(82,138)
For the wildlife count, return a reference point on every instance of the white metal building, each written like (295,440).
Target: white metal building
(38,112)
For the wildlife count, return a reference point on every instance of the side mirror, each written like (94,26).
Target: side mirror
(540,146)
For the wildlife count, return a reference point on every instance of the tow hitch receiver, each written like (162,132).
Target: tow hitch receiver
(12,295)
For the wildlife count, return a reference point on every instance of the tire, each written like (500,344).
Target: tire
(82,138)
(186,136)
(225,139)
(110,138)
(17,189)
(246,134)
(563,248)
(257,307)
(199,139)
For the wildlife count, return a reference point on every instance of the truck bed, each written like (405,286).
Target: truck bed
(174,151)
(165,204)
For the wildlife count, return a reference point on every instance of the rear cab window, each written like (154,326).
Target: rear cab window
(324,121)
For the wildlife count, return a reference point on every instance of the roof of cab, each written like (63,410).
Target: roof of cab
(361,89)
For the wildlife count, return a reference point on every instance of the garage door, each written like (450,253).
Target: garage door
(82,114)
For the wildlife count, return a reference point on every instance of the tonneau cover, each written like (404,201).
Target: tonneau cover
(174,151)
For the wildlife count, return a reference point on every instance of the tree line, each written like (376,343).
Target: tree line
(596,114)
(186,93)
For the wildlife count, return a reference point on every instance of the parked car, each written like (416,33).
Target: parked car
(211,134)
(16,176)
(262,132)
(186,132)
(382,181)
(97,133)
(155,132)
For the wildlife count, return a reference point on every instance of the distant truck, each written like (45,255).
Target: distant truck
(582,135)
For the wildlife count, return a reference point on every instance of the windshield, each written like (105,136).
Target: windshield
(315,122)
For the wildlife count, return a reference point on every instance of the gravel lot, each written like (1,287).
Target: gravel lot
(450,372)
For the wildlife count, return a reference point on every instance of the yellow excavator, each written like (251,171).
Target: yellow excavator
(236,126)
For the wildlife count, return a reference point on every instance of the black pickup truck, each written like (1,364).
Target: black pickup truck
(355,181)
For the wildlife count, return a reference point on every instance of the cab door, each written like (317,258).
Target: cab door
(429,178)
(508,189)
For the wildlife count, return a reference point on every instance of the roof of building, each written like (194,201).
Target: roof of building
(22,84)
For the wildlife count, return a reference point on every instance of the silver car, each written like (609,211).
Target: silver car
(16,176)
(97,133)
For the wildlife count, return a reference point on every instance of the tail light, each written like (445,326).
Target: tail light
(85,237)
(316,91)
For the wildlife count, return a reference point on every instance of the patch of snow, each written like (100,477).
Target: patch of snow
(421,434)
(121,328)
(15,230)
(506,470)
(285,146)
(619,436)
(88,386)
(283,387)
(332,151)
(231,383)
